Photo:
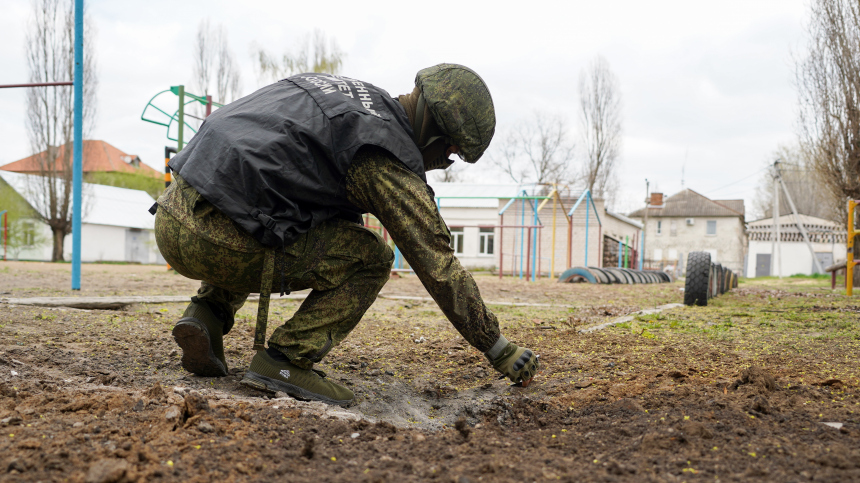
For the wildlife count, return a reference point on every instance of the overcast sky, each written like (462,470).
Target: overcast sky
(707,86)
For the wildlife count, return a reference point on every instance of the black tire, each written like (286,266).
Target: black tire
(620,275)
(697,286)
(633,275)
(600,274)
(719,280)
(613,278)
(727,281)
(664,277)
(734,280)
(577,274)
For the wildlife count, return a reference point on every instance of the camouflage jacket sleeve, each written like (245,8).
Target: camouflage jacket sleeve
(379,184)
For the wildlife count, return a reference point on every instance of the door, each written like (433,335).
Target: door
(824,258)
(135,245)
(762,265)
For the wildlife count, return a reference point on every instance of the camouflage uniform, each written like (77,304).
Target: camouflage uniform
(344,263)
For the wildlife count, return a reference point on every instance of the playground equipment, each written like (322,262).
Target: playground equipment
(851,261)
(523,257)
(612,275)
(706,280)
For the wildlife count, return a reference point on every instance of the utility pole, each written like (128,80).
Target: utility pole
(645,226)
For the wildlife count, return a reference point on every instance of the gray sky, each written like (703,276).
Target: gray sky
(709,82)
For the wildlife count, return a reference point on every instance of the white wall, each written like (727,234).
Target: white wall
(98,243)
(726,247)
(470,258)
(795,259)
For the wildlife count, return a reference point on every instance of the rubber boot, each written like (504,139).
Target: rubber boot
(272,371)
(200,335)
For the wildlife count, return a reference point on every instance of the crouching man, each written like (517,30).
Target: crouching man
(268,197)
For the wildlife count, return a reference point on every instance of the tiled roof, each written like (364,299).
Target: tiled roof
(688,203)
(98,156)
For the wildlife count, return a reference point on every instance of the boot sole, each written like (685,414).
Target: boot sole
(269,385)
(197,355)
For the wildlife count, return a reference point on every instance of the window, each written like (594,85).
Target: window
(485,245)
(673,228)
(673,254)
(658,254)
(712,228)
(28,229)
(659,227)
(457,240)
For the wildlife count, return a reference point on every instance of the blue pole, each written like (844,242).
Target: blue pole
(536,241)
(77,166)
(585,263)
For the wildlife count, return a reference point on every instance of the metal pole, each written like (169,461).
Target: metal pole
(167,177)
(645,225)
(208,105)
(773,232)
(585,262)
(600,246)
(522,232)
(180,143)
(642,252)
(620,252)
(5,231)
(552,252)
(626,251)
(849,259)
(537,240)
(778,223)
(77,163)
(501,246)
(38,84)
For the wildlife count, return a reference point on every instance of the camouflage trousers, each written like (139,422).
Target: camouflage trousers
(345,265)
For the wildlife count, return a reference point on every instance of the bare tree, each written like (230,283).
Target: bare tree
(828,82)
(537,151)
(316,53)
(216,71)
(600,123)
(453,174)
(810,196)
(50,58)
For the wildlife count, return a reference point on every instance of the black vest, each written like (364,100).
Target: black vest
(275,161)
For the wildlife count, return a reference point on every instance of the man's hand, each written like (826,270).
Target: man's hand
(518,364)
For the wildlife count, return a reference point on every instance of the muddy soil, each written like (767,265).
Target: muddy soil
(762,384)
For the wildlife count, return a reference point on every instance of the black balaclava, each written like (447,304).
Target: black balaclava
(432,142)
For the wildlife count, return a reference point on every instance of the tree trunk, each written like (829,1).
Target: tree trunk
(59,237)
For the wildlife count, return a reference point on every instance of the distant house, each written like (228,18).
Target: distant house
(116,225)
(826,237)
(98,156)
(688,221)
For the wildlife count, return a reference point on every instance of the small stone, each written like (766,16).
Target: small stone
(363,365)
(375,372)
(282,395)
(107,470)
(195,404)
(582,384)
(138,406)
(173,414)
(354,435)
(389,372)
(418,438)
(78,425)
(10,421)
(205,427)
(156,392)
(834,425)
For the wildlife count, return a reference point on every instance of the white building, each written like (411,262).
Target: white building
(690,222)
(827,239)
(115,226)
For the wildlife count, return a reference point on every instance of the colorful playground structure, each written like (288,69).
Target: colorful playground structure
(533,239)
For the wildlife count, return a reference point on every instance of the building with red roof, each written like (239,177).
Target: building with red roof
(98,156)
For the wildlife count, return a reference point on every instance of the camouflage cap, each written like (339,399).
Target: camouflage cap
(461,105)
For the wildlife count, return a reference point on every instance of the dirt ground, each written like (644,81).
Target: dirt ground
(760,385)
